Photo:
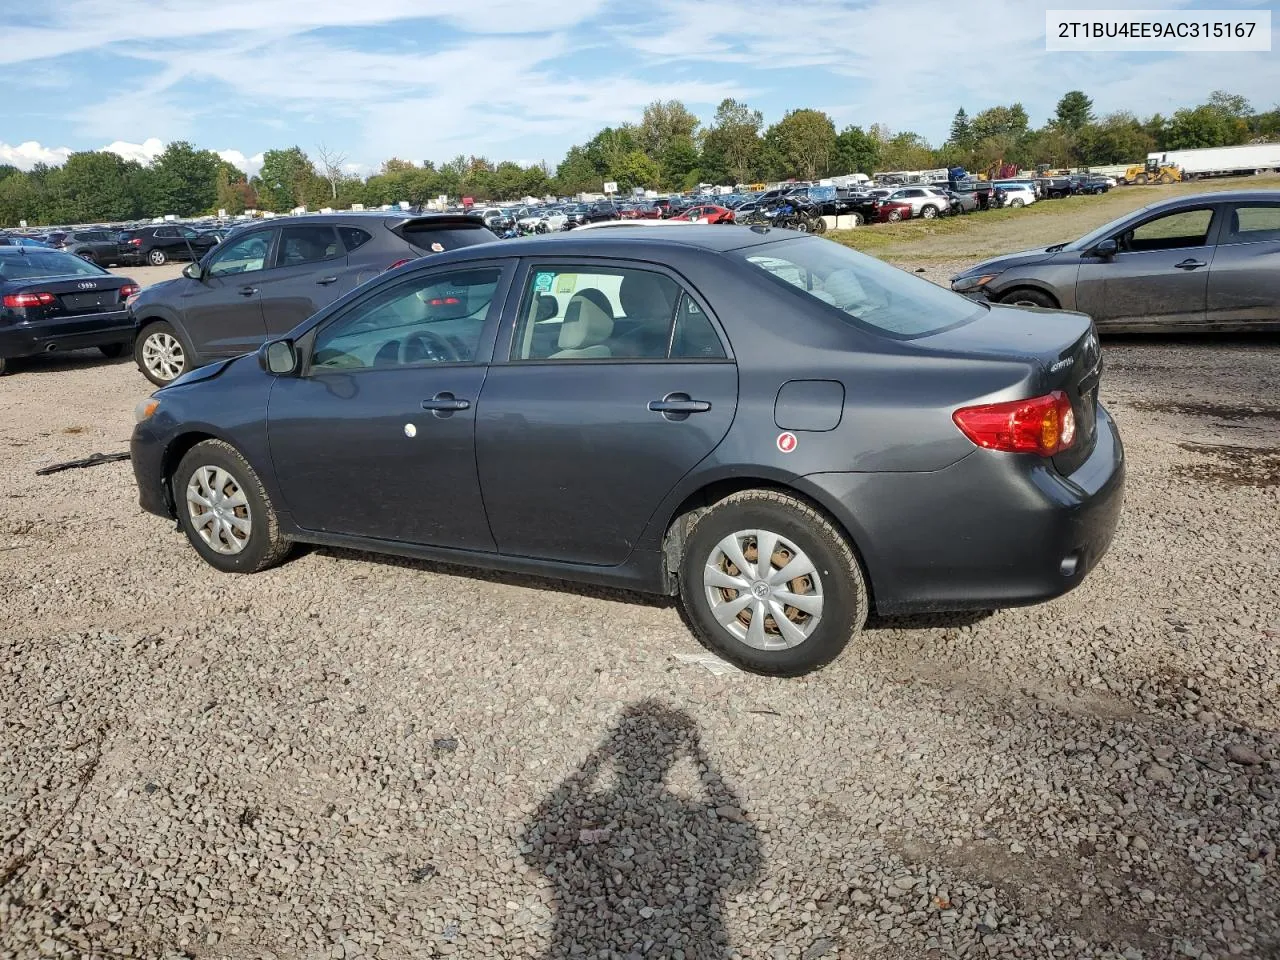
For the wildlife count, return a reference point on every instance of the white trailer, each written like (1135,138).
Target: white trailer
(1222,161)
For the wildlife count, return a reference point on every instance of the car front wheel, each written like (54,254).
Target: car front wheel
(160,354)
(157,258)
(225,511)
(771,584)
(928,212)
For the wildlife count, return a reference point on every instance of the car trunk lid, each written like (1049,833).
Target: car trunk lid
(73,296)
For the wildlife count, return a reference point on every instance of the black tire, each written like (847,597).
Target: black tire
(928,212)
(819,226)
(1016,202)
(1140,178)
(859,219)
(1030,298)
(87,255)
(4,365)
(802,225)
(842,584)
(264,546)
(113,351)
(157,258)
(894,216)
(153,329)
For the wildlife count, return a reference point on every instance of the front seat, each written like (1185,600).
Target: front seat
(587,325)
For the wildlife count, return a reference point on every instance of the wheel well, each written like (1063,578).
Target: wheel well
(1026,287)
(673,541)
(173,454)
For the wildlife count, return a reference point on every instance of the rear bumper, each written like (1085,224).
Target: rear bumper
(66,333)
(993,530)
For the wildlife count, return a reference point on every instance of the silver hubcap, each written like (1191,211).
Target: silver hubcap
(157,258)
(162,355)
(219,510)
(763,589)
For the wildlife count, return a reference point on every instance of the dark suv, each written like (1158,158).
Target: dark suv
(266,278)
(158,245)
(96,246)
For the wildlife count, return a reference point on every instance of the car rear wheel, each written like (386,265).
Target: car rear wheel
(112,350)
(160,353)
(157,258)
(225,511)
(770,584)
(894,216)
(859,219)
(3,366)
(86,255)
(1029,298)
(928,212)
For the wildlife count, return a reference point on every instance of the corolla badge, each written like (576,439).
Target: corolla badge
(1062,364)
(87,285)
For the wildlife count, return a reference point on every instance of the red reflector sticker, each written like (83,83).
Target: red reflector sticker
(786,442)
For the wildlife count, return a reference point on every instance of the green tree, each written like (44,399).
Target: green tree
(803,142)
(18,200)
(906,151)
(855,152)
(95,186)
(608,150)
(576,173)
(679,162)
(731,147)
(286,179)
(184,180)
(1230,104)
(1116,138)
(665,122)
(635,169)
(1000,121)
(1203,126)
(1074,111)
(961,131)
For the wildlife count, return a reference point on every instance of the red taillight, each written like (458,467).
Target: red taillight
(1044,425)
(445,301)
(128,290)
(20,300)
(135,242)
(400,263)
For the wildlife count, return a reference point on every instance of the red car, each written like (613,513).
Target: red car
(707,213)
(642,211)
(893,212)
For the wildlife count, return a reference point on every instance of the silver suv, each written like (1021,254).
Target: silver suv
(926,202)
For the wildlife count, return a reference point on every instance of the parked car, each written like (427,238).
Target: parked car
(158,245)
(1091,184)
(591,213)
(961,202)
(1015,194)
(268,277)
(622,406)
(96,246)
(707,213)
(17,240)
(54,301)
(925,202)
(1204,262)
(892,211)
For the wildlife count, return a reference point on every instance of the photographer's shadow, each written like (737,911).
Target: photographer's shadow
(638,869)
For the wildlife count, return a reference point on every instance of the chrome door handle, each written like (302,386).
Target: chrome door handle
(248,291)
(324,281)
(1190,264)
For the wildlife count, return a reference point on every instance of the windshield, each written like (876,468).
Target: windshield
(861,289)
(46,263)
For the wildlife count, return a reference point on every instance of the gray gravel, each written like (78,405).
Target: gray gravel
(354,757)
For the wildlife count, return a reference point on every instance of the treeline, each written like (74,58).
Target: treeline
(669,149)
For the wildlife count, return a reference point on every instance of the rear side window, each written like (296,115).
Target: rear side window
(860,289)
(1253,224)
(438,239)
(353,237)
(307,244)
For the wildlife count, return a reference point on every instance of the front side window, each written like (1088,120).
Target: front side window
(307,244)
(595,313)
(432,318)
(244,255)
(859,289)
(1186,228)
(1252,224)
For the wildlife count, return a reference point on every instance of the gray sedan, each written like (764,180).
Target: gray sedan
(1204,262)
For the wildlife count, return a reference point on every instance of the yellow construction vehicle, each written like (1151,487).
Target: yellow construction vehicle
(1153,172)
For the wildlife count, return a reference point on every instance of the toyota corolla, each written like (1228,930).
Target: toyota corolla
(784,433)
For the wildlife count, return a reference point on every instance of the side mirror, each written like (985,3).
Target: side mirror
(1106,249)
(193,271)
(278,357)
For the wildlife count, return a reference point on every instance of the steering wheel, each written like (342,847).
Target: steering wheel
(429,346)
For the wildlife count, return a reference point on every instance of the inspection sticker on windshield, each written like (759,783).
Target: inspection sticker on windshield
(542,282)
(437,247)
(786,442)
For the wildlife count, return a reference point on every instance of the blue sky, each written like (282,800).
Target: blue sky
(514,79)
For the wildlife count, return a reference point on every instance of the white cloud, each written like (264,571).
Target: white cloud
(143,152)
(26,155)
(250,165)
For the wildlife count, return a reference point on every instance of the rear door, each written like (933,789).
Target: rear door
(308,271)
(1159,276)
(616,383)
(223,311)
(1244,281)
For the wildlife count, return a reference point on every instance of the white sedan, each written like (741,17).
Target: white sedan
(554,220)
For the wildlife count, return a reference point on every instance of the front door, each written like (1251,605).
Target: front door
(309,271)
(223,312)
(618,384)
(1159,274)
(376,437)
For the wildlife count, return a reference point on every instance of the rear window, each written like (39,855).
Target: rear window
(46,263)
(860,289)
(437,239)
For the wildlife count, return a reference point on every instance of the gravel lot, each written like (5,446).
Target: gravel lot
(358,757)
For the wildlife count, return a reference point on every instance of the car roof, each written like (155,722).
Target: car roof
(1223,196)
(640,242)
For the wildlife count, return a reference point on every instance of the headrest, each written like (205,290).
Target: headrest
(585,323)
(647,296)
(548,307)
